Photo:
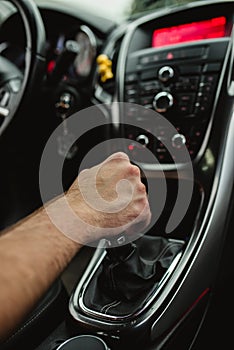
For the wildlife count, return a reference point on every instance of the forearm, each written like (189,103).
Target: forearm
(33,254)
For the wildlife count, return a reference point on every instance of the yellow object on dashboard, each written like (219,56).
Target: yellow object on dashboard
(104,67)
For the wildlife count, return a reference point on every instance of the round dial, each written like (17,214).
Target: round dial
(87,45)
(162,101)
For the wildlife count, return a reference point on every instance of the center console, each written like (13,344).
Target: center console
(181,83)
(172,72)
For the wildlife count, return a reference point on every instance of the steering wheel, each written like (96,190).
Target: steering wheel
(15,86)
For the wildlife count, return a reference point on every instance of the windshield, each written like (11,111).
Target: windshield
(141,6)
(118,10)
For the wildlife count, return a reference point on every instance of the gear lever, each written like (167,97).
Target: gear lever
(124,272)
(118,249)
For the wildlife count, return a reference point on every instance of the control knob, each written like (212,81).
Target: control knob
(178,140)
(165,73)
(162,101)
(142,139)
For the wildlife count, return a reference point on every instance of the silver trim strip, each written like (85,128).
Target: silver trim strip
(221,193)
(230,86)
(77,299)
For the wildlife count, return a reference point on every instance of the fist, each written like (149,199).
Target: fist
(110,198)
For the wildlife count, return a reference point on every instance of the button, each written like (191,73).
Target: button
(186,103)
(201,107)
(131,99)
(186,98)
(159,57)
(149,74)
(192,52)
(194,83)
(147,100)
(171,55)
(146,59)
(131,90)
(203,97)
(206,87)
(168,55)
(185,109)
(212,67)
(186,84)
(209,78)
(149,87)
(131,78)
(190,69)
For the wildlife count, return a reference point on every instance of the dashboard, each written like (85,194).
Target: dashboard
(79,66)
(60,28)
(170,74)
(174,67)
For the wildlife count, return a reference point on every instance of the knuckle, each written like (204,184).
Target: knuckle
(141,188)
(134,170)
(119,155)
(139,206)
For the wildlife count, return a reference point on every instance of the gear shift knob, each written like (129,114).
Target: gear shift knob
(118,250)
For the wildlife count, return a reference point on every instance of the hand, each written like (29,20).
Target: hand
(110,198)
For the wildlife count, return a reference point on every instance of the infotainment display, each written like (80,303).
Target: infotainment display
(200,30)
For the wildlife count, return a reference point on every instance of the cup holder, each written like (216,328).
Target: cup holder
(83,342)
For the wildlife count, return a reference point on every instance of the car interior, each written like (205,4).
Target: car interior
(154,79)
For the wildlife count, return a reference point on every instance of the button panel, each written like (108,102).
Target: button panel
(191,85)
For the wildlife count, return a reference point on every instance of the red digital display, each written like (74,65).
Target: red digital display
(208,29)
